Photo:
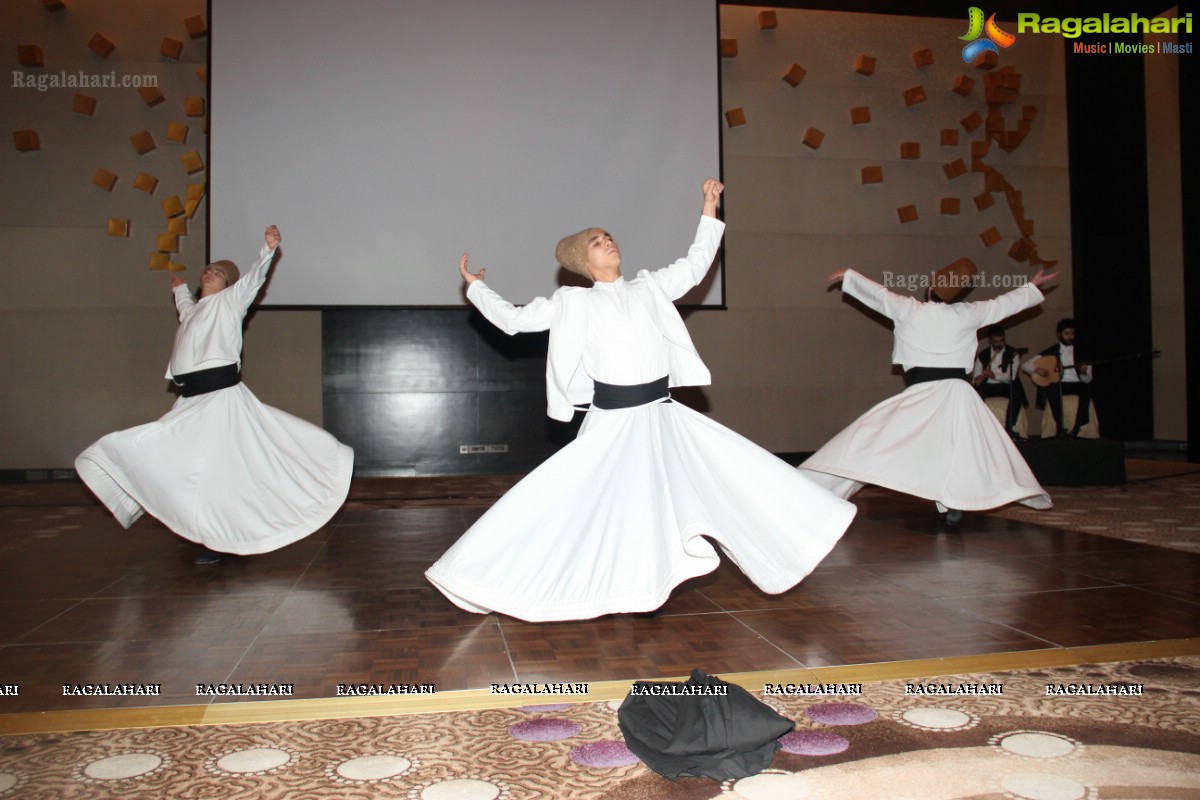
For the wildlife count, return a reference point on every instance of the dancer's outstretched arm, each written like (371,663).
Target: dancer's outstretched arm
(183,299)
(1012,302)
(678,278)
(873,295)
(504,315)
(248,287)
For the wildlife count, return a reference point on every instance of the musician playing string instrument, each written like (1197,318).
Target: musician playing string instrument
(1074,378)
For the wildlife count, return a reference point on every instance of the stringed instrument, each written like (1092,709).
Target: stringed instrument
(1054,368)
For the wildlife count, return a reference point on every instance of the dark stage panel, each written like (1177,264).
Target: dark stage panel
(1073,461)
(408,389)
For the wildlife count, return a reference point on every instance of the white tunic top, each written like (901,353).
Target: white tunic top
(623,347)
(210,329)
(936,334)
(567,312)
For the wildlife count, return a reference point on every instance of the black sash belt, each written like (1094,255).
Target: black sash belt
(610,396)
(203,381)
(929,374)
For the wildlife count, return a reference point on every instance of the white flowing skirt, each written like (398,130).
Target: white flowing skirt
(935,440)
(616,519)
(223,470)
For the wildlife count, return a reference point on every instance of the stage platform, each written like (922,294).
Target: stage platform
(89,603)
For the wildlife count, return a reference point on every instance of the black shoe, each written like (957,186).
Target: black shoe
(208,557)
(954,516)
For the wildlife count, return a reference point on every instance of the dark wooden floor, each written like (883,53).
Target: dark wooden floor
(86,602)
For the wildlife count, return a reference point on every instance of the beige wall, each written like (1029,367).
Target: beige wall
(87,328)
(793,362)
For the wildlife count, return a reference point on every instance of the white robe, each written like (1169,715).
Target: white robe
(935,440)
(617,518)
(221,469)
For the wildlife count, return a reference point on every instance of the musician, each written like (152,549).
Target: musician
(996,375)
(1075,379)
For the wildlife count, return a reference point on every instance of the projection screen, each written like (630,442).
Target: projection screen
(387,137)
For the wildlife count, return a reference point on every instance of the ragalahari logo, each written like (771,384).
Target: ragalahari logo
(994,36)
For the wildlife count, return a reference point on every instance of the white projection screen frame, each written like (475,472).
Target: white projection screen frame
(387,137)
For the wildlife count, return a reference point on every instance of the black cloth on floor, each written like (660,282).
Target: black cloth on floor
(691,735)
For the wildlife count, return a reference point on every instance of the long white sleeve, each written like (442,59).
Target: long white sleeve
(504,315)
(247,288)
(678,278)
(875,297)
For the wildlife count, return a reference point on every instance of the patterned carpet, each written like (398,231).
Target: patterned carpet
(1162,511)
(882,743)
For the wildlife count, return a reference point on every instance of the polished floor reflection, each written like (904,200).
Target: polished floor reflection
(88,603)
